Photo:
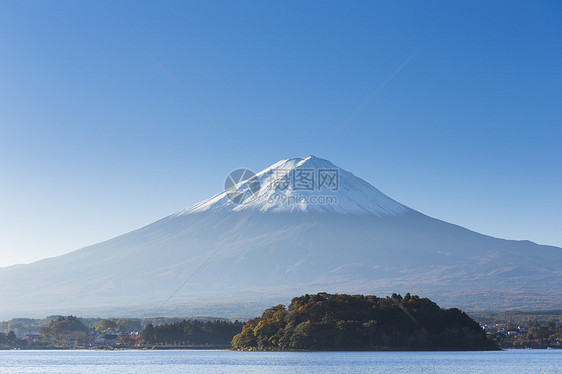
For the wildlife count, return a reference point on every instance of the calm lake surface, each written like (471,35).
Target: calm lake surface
(206,361)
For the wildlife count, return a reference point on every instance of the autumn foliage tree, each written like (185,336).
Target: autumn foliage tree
(106,325)
(64,328)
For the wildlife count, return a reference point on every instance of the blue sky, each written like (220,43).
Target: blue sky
(95,140)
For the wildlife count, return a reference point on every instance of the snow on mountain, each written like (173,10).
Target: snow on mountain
(278,191)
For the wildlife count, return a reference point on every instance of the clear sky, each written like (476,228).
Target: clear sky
(96,140)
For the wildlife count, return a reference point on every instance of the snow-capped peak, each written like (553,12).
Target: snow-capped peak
(301,184)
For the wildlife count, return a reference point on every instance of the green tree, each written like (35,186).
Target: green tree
(148,334)
(11,337)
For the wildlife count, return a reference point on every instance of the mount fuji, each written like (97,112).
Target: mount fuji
(303,225)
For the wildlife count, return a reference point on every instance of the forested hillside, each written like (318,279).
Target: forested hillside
(345,322)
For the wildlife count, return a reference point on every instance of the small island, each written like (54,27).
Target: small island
(339,322)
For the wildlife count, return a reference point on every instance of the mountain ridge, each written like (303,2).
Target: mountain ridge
(199,261)
(354,195)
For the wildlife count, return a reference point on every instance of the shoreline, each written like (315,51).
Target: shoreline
(217,348)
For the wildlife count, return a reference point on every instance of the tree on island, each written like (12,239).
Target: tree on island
(356,322)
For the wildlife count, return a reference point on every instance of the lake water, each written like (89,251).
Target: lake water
(206,361)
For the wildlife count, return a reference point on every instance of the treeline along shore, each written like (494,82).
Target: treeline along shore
(311,322)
